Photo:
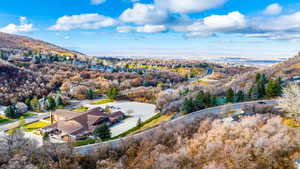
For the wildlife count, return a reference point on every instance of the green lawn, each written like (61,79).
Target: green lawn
(84,142)
(103,101)
(28,114)
(81,109)
(4,119)
(34,126)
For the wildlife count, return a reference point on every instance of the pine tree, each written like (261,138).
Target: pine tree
(50,103)
(187,106)
(261,89)
(103,132)
(35,105)
(58,101)
(240,97)
(139,123)
(90,94)
(230,96)
(271,89)
(199,101)
(207,99)
(254,92)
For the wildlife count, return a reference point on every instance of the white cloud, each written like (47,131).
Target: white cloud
(24,27)
(188,6)
(199,34)
(125,29)
(273,9)
(97,2)
(289,22)
(83,21)
(144,14)
(151,28)
(230,23)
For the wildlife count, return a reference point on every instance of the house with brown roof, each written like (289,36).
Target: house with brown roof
(69,125)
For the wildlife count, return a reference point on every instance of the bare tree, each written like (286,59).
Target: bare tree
(290,101)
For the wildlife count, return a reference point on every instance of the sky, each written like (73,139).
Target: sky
(168,28)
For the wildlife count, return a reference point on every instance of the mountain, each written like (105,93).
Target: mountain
(21,44)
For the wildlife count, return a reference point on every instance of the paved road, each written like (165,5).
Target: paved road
(185,119)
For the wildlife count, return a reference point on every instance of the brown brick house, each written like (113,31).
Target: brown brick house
(70,125)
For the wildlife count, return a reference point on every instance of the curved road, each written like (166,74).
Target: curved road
(185,119)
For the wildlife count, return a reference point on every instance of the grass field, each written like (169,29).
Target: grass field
(103,101)
(155,122)
(81,109)
(34,126)
(4,119)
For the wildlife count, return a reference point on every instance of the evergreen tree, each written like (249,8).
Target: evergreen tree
(254,92)
(112,93)
(58,101)
(261,89)
(139,123)
(27,102)
(187,106)
(35,105)
(50,103)
(90,94)
(207,99)
(278,88)
(240,96)
(199,101)
(214,101)
(257,77)
(103,132)
(271,89)
(10,112)
(230,96)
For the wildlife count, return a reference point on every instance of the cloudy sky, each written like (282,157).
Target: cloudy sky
(179,28)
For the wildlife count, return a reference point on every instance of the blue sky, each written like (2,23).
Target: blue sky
(189,28)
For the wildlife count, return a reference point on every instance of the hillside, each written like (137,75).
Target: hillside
(16,43)
(285,69)
(18,83)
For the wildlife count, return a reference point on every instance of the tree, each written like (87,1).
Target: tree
(187,106)
(290,101)
(90,94)
(139,123)
(271,89)
(11,112)
(214,101)
(254,92)
(207,99)
(27,102)
(50,103)
(261,89)
(58,101)
(35,105)
(199,101)
(240,96)
(230,96)
(112,93)
(103,132)
(257,77)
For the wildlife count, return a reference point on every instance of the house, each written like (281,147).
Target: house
(69,125)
